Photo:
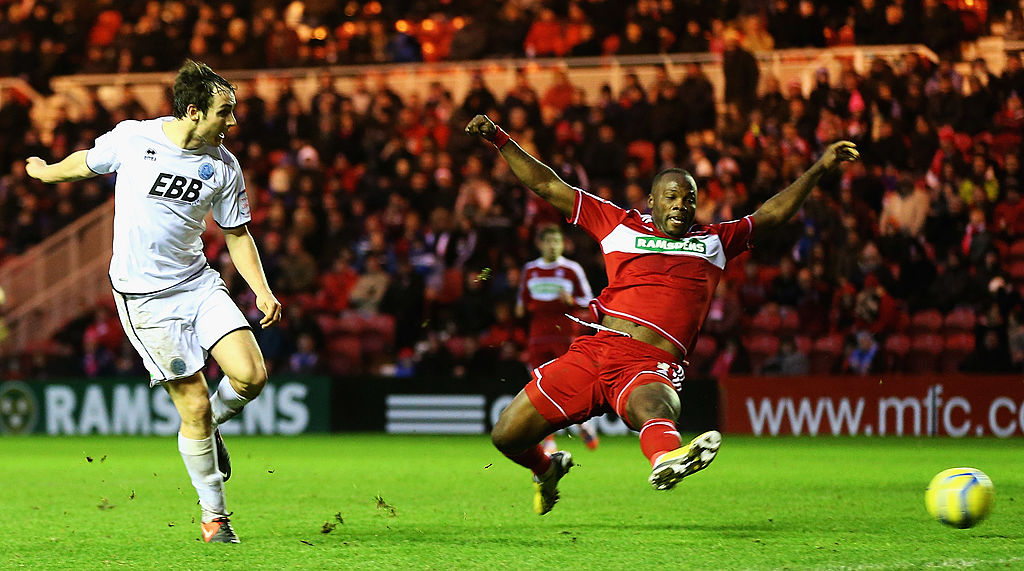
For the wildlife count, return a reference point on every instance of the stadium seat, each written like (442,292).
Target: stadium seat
(790,324)
(767,321)
(925,321)
(451,286)
(956,348)
(344,355)
(760,348)
(379,333)
(643,151)
(1016,253)
(383,324)
(897,347)
(703,352)
(826,354)
(923,356)
(804,344)
(960,320)
(330,325)
(1016,271)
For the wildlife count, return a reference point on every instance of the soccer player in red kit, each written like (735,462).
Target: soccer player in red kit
(551,287)
(662,271)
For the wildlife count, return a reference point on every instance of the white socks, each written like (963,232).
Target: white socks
(202,468)
(226,402)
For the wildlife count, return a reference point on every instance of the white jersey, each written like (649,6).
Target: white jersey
(161,198)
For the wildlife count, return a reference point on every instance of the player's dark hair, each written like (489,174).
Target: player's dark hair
(549,229)
(195,85)
(672,171)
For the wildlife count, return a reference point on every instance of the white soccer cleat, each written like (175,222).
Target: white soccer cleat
(671,467)
(546,486)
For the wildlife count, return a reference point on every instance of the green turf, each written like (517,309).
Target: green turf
(764,504)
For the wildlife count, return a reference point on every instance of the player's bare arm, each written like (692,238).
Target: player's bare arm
(72,168)
(533,173)
(246,258)
(780,208)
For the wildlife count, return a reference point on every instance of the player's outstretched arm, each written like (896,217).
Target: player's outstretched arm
(73,167)
(246,258)
(534,174)
(778,209)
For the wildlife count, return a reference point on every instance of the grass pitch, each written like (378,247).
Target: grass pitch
(371,501)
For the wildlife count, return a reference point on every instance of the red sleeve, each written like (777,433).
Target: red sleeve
(735,236)
(596,216)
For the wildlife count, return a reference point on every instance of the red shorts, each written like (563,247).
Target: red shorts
(596,376)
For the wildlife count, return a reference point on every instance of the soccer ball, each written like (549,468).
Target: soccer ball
(960,497)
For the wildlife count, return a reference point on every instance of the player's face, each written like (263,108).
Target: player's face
(551,246)
(213,125)
(673,202)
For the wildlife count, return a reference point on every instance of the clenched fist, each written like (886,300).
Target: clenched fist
(482,127)
(838,152)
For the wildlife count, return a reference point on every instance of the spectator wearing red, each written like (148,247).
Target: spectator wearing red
(545,36)
(560,93)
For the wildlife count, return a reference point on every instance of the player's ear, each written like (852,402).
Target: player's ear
(193,113)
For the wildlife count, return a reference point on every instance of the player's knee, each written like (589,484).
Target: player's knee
(653,400)
(252,379)
(501,436)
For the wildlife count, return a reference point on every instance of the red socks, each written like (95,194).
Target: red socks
(533,458)
(658,436)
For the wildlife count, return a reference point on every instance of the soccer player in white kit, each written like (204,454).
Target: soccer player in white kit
(175,309)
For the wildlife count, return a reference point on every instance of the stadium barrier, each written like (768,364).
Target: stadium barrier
(446,406)
(288,405)
(885,405)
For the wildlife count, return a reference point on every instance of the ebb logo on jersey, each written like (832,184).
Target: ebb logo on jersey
(175,188)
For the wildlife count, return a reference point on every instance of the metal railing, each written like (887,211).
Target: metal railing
(57,280)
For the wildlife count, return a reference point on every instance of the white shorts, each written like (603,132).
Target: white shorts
(173,330)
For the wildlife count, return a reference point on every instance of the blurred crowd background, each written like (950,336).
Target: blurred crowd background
(396,242)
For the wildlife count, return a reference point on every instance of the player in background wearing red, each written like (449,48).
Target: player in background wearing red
(662,273)
(553,286)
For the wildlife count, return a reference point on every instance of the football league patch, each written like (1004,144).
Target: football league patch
(178,366)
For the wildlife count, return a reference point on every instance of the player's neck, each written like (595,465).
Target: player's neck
(181,132)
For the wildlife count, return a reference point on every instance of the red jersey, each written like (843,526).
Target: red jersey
(540,292)
(654,280)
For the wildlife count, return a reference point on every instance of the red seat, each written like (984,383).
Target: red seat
(826,354)
(767,321)
(1016,271)
(923,356)
(760,348)
(896,349)
(1016,251)
(643,151)
(790,323)
(926,321)
(960,320)
(956,348)
(702,353)
(382,324)
(804,344)
(330,325)
(344,355)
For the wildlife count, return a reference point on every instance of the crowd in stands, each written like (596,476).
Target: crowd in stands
(43,38)
(396,242)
